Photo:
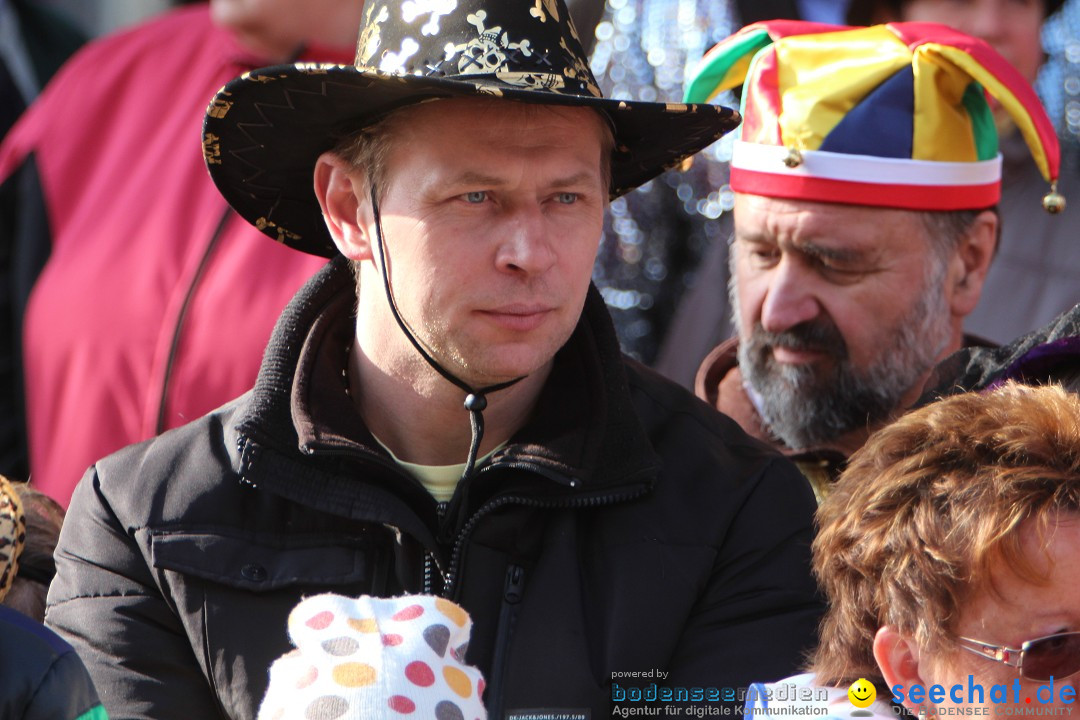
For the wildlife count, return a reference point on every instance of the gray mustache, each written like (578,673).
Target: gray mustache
(815,336)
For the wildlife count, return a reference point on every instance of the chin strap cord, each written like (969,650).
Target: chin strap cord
(475,400)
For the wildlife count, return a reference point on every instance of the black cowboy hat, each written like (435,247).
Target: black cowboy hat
(264,130)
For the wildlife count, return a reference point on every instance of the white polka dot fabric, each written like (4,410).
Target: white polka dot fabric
(374,658)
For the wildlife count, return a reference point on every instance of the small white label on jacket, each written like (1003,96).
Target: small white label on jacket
(548,714)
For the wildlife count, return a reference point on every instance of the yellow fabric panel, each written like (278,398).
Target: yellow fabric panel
(823,76)
(1004,96)
(942,127)
(734,77)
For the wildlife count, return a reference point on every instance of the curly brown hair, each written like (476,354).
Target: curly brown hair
(921,511)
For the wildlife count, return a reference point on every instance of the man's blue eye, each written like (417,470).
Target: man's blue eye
(476,197)
(567,198)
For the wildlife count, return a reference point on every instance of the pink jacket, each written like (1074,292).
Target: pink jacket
(156,301)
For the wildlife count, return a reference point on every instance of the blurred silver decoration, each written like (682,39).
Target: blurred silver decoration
(655,236)
(1058,83)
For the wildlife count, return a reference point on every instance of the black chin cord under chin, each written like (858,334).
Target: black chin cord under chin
(475,400)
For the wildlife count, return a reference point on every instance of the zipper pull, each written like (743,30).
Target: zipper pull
(513,591)
(441,532)
(515,584)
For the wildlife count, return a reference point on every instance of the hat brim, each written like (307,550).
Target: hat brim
(264,131)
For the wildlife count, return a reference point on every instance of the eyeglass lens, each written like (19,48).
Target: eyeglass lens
(1056,656)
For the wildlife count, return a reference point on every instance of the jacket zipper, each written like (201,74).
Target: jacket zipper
(431,564)
(467,530)
(204,261)
(514,587)
(513,591)
(450,576)
(427,584)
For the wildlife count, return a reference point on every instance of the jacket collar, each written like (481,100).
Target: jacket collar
(719,382)
(583,438)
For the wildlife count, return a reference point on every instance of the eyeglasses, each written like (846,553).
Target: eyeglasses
(1053,656)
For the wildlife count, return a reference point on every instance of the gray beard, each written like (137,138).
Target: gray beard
(809,406)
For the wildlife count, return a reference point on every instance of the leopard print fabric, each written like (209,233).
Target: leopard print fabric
(12,534)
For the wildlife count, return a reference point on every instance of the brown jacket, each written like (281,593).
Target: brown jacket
(720,383)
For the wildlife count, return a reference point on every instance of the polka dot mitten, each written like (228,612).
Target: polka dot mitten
(375,658)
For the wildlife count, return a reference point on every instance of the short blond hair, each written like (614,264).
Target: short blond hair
(926,505)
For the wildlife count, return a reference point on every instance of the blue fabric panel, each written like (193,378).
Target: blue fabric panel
(882,124)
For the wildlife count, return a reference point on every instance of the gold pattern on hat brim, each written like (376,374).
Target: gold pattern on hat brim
(264,131)
(12,534)
(262,152)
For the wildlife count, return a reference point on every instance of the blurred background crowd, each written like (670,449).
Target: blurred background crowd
(643,49)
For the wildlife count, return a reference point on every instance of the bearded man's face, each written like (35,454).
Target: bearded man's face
(840,310)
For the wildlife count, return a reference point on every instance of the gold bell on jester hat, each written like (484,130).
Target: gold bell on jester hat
(1053,202)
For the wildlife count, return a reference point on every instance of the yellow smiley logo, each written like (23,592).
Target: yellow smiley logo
(862,693)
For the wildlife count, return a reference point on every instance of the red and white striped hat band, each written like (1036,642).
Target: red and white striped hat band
(777,171)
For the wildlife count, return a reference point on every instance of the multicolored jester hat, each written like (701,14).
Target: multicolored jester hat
(892,115)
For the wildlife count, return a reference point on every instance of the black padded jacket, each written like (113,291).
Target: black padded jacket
(627,528)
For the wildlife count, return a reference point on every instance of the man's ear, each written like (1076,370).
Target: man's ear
(342,194)
(898,659)
(971,262)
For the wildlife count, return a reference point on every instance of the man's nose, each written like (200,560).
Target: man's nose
(789,299)
(527,244)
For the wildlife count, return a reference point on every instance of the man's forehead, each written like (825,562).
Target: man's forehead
(485,112)
(483,140)
(859,227)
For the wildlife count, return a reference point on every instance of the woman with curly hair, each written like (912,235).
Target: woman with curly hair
(950,555)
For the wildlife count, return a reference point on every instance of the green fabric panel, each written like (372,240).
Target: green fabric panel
(982,122)
(709,78)
(95,713)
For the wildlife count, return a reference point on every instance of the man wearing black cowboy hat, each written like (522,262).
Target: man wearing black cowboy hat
(607,532)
